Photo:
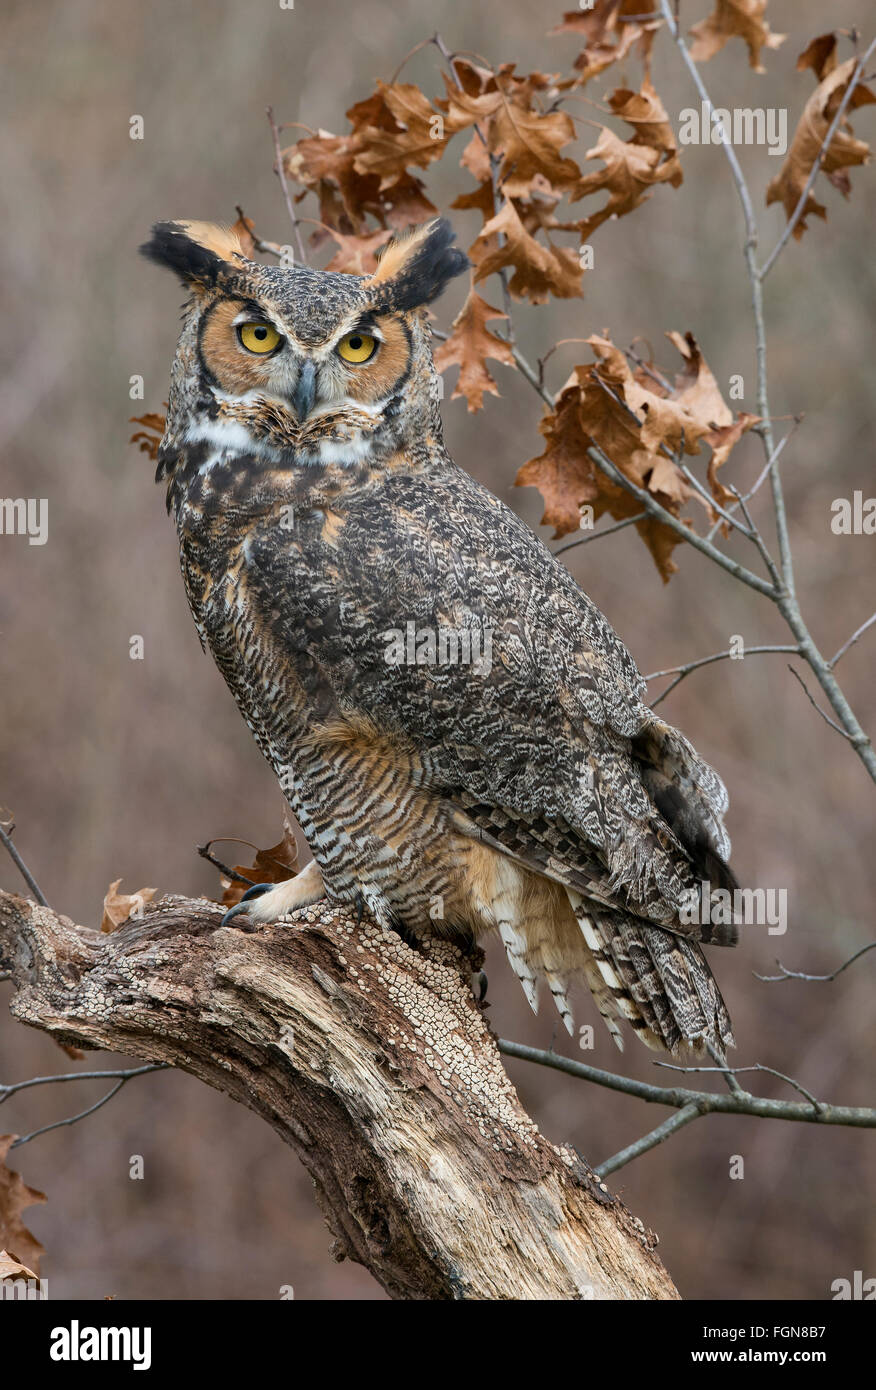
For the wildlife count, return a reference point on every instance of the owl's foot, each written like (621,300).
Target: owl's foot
(266,902)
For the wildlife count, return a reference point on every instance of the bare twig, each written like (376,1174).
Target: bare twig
(71,1119)
(123,1073)
(707,1102)
(648,1141)
(852,640)
(281,174)
(680,672)
(800,975)
(814,703)
(653,507)
(204,852)
(6,840)
(756,1066)
(606,531)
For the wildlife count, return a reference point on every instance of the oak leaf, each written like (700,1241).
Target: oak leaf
(631,171)
(15,1239)
(539,271)
(244,230)
(844,150)
(119,907)
(418,136)
(11,1268)
(356,254)
(609,37)
(272,865)
(469,345)
(645,112)
(643,424)
(740,19)
(325,164)
(528,144)
(149,438)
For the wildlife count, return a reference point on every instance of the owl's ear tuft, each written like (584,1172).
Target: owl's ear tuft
(416,267)
(197,251)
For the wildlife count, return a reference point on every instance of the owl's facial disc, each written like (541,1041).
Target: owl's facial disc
(250,351)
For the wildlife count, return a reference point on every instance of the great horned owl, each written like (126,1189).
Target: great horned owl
(458,730)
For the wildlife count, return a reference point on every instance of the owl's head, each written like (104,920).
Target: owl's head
(323,367)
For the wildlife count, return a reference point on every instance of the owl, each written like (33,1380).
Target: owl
(459,732)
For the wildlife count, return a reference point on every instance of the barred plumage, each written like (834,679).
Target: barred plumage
(525,789)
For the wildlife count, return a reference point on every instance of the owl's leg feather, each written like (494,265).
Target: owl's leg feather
(267,902)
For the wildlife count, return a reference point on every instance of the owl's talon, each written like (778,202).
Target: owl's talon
(257,891)
(479,986)
(360,909)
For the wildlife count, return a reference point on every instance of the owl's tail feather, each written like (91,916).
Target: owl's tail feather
(656,980)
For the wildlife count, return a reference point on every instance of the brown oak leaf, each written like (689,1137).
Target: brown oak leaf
(631,172)
(356,254)
(418,136)
(609,37)
(645,112)
(269,866)
(539,271)
(149,438)
(118,907)
(734,19)
(244,230)
(844,150)
(643,424)
(15,1239)
(469,345)
(11,1268)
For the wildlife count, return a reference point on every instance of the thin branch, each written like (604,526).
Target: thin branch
(852,640)
(204,852)
(800,975)
(653,507)
(36,892)
(815,705)
(597,535)
(122,1073)
(648,1141)
(756,1066)
(281,174)
(71,1119)
(689,666)
(707,1102)
(764,473)
(272,248)
(834,126)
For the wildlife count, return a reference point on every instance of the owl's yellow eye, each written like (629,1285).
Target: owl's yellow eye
(357,347)
(258,337)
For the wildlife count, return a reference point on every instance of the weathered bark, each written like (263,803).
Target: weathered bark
(374,1063)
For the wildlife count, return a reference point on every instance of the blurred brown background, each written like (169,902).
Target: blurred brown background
(115,767)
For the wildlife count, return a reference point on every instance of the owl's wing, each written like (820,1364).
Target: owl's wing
(544,741)
(536,732)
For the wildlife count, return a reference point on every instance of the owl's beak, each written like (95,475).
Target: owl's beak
(305,391)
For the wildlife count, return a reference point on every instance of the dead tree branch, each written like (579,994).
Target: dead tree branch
(373,1062)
